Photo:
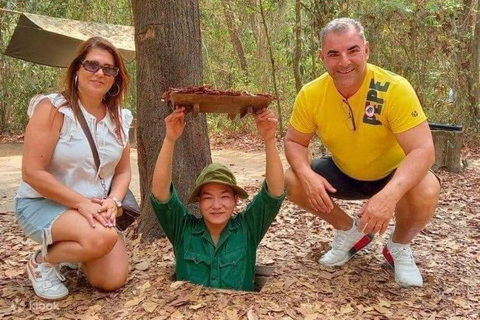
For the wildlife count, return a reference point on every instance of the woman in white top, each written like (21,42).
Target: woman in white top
(64,203)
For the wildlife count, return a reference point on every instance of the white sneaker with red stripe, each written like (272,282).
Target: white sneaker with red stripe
(400,258)
(46,280)
(344,245)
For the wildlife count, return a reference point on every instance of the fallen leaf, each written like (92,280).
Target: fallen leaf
(381,309)
(384,303)
(144,287)
(177,315)
(95,308)
(252,315)
(346,309)
(149,306)
(275,308)
(133,302)
(180,301)
(232,314)
(177,284)
(288,283)
(197,306)
(326,275)
(291,313)
(12,273)
(142,266)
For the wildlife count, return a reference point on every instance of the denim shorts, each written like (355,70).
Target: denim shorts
(36,217)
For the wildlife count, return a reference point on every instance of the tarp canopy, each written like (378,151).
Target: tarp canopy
(54,41)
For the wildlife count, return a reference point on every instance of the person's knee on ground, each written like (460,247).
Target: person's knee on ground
(109,272)
(109,280)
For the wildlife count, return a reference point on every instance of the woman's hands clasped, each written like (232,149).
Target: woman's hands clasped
(103,211)
(107,213)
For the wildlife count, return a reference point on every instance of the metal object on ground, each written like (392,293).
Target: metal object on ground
(448,140)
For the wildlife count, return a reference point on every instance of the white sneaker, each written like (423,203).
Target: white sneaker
(344,245)
(400,258)
(46,280)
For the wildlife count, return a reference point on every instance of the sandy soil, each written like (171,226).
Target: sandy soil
(248,167)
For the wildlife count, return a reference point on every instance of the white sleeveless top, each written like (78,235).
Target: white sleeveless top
(72,161)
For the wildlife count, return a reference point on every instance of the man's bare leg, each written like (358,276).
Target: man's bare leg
(413,212)
(338,218)
(416,209)
(347,241)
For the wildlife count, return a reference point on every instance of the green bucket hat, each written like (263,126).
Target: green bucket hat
(216,173)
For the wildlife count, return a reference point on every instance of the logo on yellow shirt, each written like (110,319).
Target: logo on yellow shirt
(374,104)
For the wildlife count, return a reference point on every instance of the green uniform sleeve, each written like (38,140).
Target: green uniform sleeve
(301,119)
(261,212)
(172,215)
(404,111)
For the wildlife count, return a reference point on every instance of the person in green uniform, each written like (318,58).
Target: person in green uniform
(219,249)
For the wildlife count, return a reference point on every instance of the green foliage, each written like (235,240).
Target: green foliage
(428,42)
(21,80)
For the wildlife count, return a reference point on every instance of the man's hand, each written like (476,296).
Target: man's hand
(266,124)
(316,187)
(376,214)
(175,123)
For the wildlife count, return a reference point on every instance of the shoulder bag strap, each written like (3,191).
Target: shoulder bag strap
(88,134)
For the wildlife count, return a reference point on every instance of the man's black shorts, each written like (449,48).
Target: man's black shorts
(347,187)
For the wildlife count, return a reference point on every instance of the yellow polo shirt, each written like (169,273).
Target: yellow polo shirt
(385,104)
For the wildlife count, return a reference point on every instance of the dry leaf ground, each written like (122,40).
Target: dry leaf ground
(447,252)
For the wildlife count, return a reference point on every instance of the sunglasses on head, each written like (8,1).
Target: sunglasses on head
(94,66)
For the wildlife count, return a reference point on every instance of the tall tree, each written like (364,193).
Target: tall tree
(475,80)
(298,45)
(272,61)
(169,54)
(234,37)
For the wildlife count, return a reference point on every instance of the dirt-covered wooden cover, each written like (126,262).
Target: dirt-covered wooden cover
(204,99)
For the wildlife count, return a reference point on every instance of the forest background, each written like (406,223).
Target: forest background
(272,46)
(434,44)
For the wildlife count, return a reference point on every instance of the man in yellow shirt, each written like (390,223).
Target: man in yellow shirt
(381,149)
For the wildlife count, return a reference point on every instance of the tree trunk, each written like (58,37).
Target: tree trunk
(272,61)
(252,18)
(314,52)
(232,29)
(475,94)
(468,66)
(298,45)
(169,54)
(447,150)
